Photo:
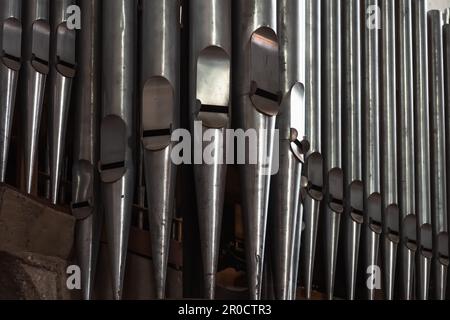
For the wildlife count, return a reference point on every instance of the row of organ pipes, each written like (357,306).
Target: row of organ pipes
(353,97)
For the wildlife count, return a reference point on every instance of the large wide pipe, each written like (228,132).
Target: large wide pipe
(210,111)
(285,187)
(332,104)
(389,173)
(352,143)
(62,71)
(117,131)
(256,103)
(313,168)
(438,168)
(36,50)
(406,140)
(10,64)
(86,204)
(160,112)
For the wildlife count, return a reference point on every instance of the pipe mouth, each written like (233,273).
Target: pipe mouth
(426,241)
(391,223)
(374,213)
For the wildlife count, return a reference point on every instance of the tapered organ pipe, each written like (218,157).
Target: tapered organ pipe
(256,104)
(406,137)
(285,185)
(160,117)
(117,142)
(10,64)
(299,120)
(352,142)
(62,71)
(333,206)
(438,152)
(371,155)
(210,110)
(36,46)
(313,168)
(422,149)
(389,182)
(85,205)
(446,53)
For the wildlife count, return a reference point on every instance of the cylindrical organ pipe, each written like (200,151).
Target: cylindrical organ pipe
(10,64)
(256,103)
(210,112)
(285,213)
(313,168)
(438,155)
(422,150)
(117,131)
(406,145)
(388,142)
(332,111)
(352,141)
(85,204)
(160,101)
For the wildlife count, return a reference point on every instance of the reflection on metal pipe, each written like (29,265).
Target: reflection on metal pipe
(209,96)
(391,228)
(313,168)
(256,104)
(117,143)
(333,206)
(371,157)
(160,116)
(352,144)
(36,44)
(438,163)
(421,153)
(85,186)
(10,64)
(446,54)
(285,187)
(62,71)
(406,139)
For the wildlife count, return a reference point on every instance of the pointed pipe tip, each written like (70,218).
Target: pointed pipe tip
(332,221)
(424,277)
(352,235)
(210,286)
(441,262)
(311,217)
(389,258)
(440,279)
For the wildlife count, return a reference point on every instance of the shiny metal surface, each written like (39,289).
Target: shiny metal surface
(389,174)
(446,70)
(438,155)
(352,141)
(210,89)
(35,46)
(406,140)
(62,71)
(371,145)
(284,212)
(255,104)
(421,154)
(313,166)
(86,204)
(332,143)
(160,116)
(117,133)
(10,64)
